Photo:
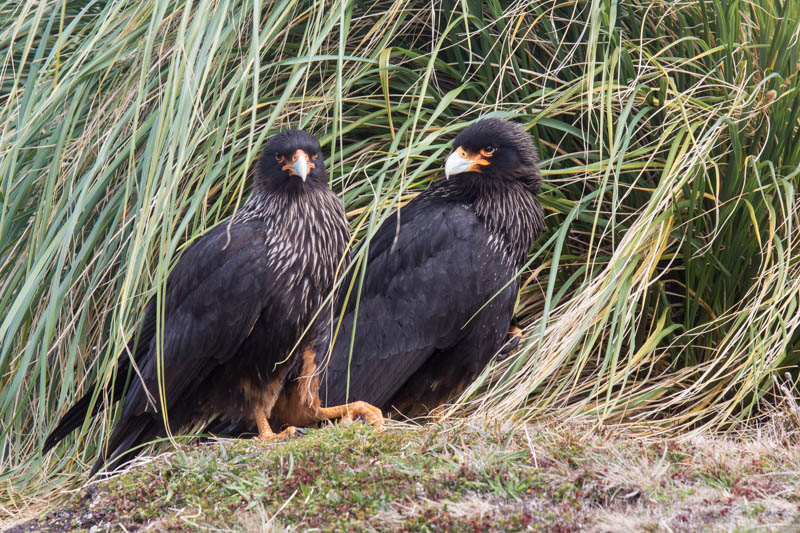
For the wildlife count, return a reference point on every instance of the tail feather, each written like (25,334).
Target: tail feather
(78,412)
(127,439)
(128,434)
(74,418)
(230,428)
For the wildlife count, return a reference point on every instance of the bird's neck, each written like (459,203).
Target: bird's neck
(509,210)
(267,204)
(514,214)
(306,237)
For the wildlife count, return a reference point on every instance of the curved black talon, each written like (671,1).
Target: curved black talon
(511,344)
(509,349)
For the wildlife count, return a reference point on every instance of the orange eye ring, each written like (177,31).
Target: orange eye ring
(488,151)
(314,157)
(279,158)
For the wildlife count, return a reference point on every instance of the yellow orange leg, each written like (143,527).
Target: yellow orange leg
(512,344)
(265,432)
(370,413)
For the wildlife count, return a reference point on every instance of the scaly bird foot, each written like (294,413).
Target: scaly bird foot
(370,413)
(290,431)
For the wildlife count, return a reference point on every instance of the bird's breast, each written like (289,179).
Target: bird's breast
(303,254)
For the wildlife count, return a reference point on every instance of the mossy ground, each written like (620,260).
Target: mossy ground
(450,477)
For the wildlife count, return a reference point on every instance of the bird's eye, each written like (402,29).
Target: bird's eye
(314,157)
(487,151)
(278,157)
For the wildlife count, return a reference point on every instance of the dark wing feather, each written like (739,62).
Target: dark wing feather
(214,296)
(423,286)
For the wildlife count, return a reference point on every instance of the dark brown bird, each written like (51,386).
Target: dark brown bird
(235,309)
(441,278)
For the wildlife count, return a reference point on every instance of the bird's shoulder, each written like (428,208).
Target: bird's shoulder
(432,215)
(228,256)
(426,228)
(432,246)
(226,239)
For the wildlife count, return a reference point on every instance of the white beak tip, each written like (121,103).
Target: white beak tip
(301,167)
(455,165)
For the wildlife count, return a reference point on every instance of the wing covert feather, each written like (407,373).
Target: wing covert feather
(214,296)
(422,287)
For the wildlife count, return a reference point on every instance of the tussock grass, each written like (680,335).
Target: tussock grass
(664,294)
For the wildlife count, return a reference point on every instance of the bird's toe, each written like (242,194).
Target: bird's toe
(510,348)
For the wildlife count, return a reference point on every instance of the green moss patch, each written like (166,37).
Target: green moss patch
(452,477)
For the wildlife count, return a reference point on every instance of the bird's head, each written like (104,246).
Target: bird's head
(494,150)
(293,159)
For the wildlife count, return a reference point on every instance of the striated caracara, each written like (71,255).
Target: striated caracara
(441,278)
(235,309)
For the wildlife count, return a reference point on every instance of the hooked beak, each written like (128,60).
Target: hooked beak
(461,161)
(299,165)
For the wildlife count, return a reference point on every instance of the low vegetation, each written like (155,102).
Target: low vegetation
(452,477)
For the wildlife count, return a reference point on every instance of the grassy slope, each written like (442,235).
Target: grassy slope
(453,477)
(665,291)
